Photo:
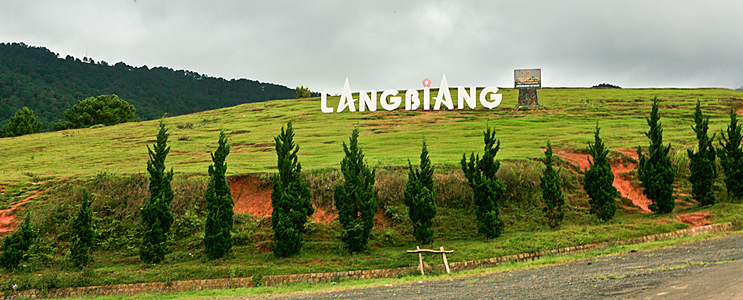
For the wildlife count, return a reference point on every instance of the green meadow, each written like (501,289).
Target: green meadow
(389,138)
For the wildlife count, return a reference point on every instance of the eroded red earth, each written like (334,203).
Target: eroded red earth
(253,195)
(7,216)
(627,189)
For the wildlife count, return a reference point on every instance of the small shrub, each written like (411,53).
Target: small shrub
(187,225)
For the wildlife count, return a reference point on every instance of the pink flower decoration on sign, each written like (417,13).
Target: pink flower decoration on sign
(426,82)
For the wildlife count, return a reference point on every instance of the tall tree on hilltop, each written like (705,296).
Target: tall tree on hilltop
(219,203)
(599,180)
(156,215)
(104,109)
(81,253)
(702,163)
(551,190)
(355,199)
(419,196)
(655,170)
(731,156)
(290,198)
(486,187)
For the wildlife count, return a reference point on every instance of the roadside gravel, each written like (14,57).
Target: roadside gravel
(624,276)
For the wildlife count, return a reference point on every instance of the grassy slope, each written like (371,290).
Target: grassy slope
(568,122)
(388,138)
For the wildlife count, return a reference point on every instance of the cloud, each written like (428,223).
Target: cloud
(389,44)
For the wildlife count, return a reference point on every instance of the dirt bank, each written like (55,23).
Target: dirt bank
(621,175)
(252,194)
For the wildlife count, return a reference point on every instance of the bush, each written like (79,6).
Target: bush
(486,187)
(23,122)
(702,164)
(105,109)
(83,234)
(731,156)
(16,245)
(355,199)
(599,180)
(420,198)
(156,215)
(655,169)
(219,203)
(290,197)
(551,190)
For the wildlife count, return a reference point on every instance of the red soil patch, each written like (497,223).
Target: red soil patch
(7,216)
(631,152)
(695,219)
(253,195)
(625,187)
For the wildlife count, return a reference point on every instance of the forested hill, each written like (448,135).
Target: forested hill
(48,84)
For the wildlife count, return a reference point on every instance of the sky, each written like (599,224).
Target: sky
(382,45)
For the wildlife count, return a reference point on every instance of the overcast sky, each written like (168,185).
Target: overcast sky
(380,45)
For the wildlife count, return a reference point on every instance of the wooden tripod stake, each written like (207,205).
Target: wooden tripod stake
(440,251)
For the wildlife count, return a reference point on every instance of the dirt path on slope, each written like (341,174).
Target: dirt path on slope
(7,216)
(621,171)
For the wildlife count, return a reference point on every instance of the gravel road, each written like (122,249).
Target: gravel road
(683,271)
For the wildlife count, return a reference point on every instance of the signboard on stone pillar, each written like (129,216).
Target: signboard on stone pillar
(528,81)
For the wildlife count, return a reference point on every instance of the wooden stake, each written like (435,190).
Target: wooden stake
(446,263)
(420,259)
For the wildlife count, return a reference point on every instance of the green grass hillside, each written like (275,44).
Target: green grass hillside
(50,169)
(389,138)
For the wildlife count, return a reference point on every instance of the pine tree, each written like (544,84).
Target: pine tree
(702,163)
(355,199)
(23,122)
(419,196)
(599,180)
(219,203)
(156,215)
(551,190)
(731,156)
(486,187)
(83,234)
(655,170)
(290,198)
(16,245)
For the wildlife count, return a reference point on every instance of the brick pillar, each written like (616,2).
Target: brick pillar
(528,97)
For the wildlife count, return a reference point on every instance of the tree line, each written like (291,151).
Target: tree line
(356,202)
(48,84)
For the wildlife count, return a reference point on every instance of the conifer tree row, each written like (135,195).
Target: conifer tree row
(702,163)
(81,253)
(355,199)
(219,203)
(599,180)
(731,156)
(551,190)
(419,196)
(655,169)
(486,187)
(290,198)
(156,215)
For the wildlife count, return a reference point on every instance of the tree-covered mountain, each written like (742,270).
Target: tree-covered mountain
(39,79)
